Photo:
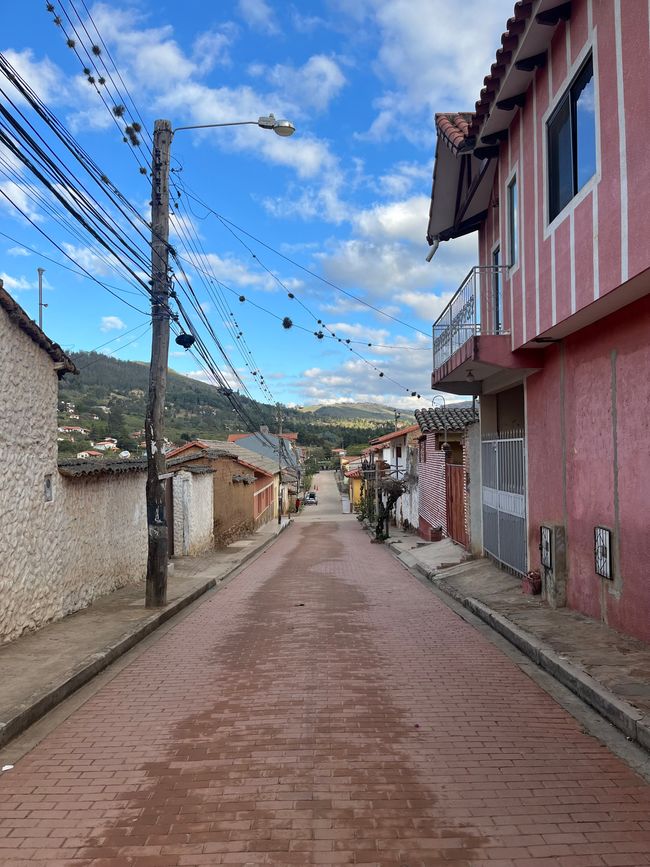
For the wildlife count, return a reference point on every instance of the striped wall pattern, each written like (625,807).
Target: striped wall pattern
(433,506)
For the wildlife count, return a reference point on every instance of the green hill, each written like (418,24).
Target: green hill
(109,398)
(359,411)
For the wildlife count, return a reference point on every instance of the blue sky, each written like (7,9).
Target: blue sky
(346,197)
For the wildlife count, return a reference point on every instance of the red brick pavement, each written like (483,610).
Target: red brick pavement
(324,708)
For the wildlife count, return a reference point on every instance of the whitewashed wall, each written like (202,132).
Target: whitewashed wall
(193,513)
(87,537)
(29,542)
(408,505)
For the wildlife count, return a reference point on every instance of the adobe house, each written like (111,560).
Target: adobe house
(246,485)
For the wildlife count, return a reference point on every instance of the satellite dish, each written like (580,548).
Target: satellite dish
(125,454)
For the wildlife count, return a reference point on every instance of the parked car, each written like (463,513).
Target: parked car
(311,498)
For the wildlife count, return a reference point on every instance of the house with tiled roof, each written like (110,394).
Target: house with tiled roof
(246,485)
(397,454)
(550,329)
(448,467)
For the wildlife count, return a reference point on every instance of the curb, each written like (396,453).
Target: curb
(17,724)
(632,722)
(628,719)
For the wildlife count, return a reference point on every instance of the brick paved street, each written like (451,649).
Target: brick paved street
(323,708)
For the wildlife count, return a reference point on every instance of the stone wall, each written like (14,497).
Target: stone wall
(29,523)
(63,541)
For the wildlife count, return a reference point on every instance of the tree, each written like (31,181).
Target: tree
(393,490)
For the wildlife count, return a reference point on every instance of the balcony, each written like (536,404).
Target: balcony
(472,352)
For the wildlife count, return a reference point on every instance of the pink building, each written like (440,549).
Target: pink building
(551,329)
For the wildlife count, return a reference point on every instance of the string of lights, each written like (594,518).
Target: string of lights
(226,222)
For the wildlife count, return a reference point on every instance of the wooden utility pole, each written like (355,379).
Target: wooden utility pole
(279,464)
(156,592)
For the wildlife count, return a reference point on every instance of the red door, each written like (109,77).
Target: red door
(455,484)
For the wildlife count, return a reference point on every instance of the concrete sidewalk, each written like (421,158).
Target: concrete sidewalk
(41,669)
(608,670)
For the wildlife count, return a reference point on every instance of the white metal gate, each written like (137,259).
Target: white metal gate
(503,460)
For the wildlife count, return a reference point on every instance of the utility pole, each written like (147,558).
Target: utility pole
(397,415)
(156,591)
(279,464)
(41,271)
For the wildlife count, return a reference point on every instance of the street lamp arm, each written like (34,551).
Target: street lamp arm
(280,127)
(210,125)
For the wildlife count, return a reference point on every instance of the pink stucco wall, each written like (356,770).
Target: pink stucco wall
(600,239)
(589,461)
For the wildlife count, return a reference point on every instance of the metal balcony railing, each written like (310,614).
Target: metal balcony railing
(462,319)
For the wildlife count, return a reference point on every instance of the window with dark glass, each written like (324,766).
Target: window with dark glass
(513,232)
(572,141)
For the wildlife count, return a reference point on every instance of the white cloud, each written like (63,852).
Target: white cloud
(405,220)
(400,180)
(258,15)
(18,251)
(43,76)
(16,284)
(312,85)
(308,23)
(210,49)
(14,198)
(88,259)
(426,305)
(111,323)
(432,55)
(378,269)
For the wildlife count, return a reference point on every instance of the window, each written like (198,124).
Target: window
(572,141)
(497,291)
(513,233)
(398,451)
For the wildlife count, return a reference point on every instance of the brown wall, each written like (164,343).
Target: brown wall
(233,501)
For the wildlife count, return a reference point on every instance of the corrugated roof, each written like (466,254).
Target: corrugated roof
(267,444)
(31,329)
(221,448)
(439,420)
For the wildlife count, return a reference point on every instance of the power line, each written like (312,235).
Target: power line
(226,222)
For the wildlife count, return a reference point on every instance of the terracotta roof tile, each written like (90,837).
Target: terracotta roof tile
(439,420)
(391,436)
(515,26)
(459,129)
(453,127)
(85,467)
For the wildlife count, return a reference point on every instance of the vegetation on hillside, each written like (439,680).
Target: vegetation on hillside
(109,397)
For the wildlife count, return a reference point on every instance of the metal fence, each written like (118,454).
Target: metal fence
(461,318)
(503,459)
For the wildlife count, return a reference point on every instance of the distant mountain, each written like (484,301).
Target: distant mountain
(109,399)
(358,411)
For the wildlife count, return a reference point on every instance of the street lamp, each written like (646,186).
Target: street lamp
(156,586)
